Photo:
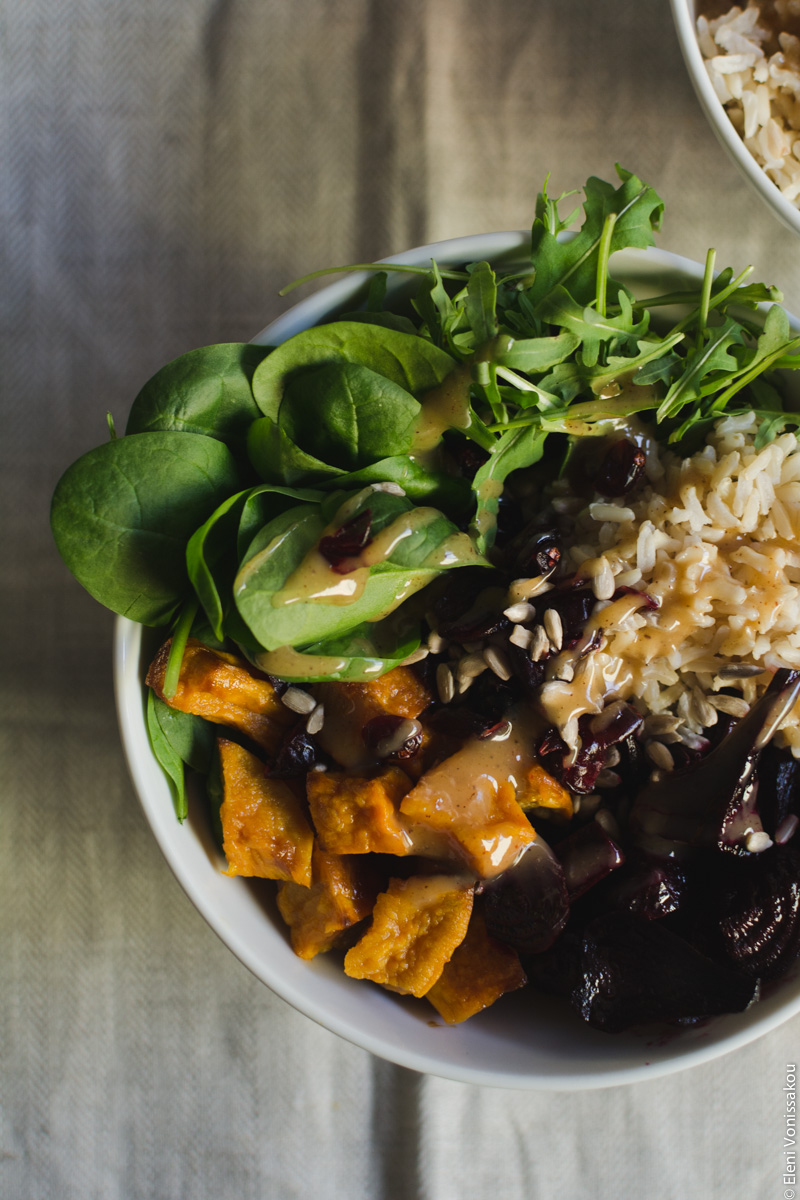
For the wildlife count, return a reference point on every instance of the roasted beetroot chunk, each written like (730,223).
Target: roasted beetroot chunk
(587,856)
(713,803)
(635,972)
(527,906)
(760,925)
(648,887)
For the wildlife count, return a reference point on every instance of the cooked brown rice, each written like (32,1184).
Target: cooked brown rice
(713,539)
(761,94)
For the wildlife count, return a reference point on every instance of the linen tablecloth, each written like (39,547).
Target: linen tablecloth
(165,167)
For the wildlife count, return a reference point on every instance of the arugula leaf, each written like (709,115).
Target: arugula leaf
(711,355)
(481,303)
(589,326)
(573,263)
(513,450)
(420,483)
(539,354)
(409,361)
(123,513)
(206,391)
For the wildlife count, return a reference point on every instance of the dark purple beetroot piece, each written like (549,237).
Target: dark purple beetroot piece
(713,802)
(557,971)
(634,972)
(778,788)
(621,469)
(527,906)
(347,542)
(760,925)
(597,734)
(648,887)
(587,856)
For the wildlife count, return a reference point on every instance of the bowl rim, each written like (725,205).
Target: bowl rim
(684,17)
(298,989)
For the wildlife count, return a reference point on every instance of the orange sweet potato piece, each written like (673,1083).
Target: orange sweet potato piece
(356,815)
(264,830)
(342,893)
(539,790)
(220,688)
(480,972)
(480,817)
(349,706)
(416,925)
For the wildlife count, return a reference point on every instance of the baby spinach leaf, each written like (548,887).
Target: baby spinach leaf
(448,492)
(513,450)
(167,757)
(385,320)
(347,415)
(191,737)
(407,360)
(205,391)
(365,652)
(123,514)
(427,543)
(212,552)
(277,459)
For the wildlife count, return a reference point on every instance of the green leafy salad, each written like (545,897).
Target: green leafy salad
(296,502)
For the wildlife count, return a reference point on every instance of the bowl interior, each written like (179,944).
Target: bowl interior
(523,1041)
(685,13)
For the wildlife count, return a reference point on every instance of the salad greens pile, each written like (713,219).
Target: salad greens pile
(238,459)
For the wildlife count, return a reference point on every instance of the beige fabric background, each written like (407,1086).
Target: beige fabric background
(165,166)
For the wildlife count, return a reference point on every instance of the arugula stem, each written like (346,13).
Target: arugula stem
(603,255)
(408,270)
(591,249)
(705,296)
(180,636)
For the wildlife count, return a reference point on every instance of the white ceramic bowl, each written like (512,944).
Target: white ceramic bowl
(685,14)
(525,1040)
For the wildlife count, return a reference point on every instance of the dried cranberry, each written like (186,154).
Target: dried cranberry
(474,627)
(347,542)
(540,555)
(596,735)
(621,469)
(648,601)
(381,733)
(298,753)
(574,607)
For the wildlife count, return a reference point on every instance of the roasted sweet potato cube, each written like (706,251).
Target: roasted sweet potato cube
(479,817)
(480,972)
(350,706)
(416,925)
(342,893)
(220,688)
(539,790)
(353,814)
(264,829)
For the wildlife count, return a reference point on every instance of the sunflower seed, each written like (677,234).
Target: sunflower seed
(540,644)
(436,643)
(445,684)
(756,842)
(316,720)
(417,656)
(520,612)
(496,661)
(658,753)
(520,636)
(553,628)
(298,700)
